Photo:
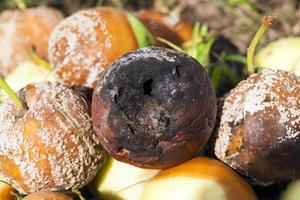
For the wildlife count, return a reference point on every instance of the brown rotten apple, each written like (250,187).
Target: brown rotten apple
(154,108)
(169,27)
(49,144)
(87,42)
(259,134)
(23,29)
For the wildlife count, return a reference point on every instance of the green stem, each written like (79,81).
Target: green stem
(170,44)
(10,92)
(78,193)
(21,4)
(268,20)
(38,60)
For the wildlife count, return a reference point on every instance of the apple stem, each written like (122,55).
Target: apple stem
(21,4)
(10,92)
(267,22)
(78,193)
(38,60)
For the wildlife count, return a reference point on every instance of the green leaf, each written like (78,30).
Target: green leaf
(143,36)
(200,45)
(236,58)
(193,50)
(216,76)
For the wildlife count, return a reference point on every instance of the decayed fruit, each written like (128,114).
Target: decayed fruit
(21,30)
(200,178)
(259,134)
(154,108)
(283,54)
(171,28)
(47,196)
(86,43)
(49,144)
(120,180)
(6,192)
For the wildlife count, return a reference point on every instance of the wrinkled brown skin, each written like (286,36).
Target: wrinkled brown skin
(47,196)
(255,147)
(261,156)
(159,26)
(155,125)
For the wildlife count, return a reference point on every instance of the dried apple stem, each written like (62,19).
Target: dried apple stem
(268,20)
(21,4)
(10,92)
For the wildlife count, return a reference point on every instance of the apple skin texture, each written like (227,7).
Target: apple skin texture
(24,29)
(83,45)
(47,196)
(281,54)
(120,180)
(154,108)
(49,144)
(201,178)
(259,132)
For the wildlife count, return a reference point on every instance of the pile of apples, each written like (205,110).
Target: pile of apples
(96,102)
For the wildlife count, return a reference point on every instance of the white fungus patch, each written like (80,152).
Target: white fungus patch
(61,153)
(15,27)
(72,45)
(270,90)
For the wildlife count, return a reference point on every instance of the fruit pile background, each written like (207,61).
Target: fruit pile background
(232,24)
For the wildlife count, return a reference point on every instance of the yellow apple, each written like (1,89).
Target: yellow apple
(282,54)
(292,192)
(119,180)
(6,192)
(25,73)
(198,179)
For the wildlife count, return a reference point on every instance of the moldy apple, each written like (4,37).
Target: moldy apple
(154,108)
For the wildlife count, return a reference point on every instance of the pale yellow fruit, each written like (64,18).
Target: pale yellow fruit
(25,73)
(282,54)
(6,192)
(292,192)
(120,180)
(198,179)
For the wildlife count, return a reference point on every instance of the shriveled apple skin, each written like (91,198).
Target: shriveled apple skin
(50,144)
